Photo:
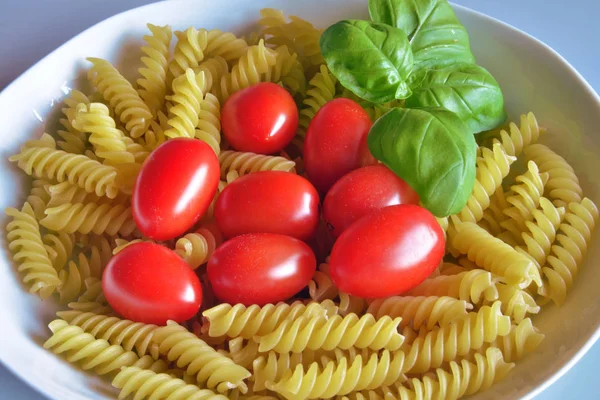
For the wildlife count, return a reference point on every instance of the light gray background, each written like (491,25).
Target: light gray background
(30,29)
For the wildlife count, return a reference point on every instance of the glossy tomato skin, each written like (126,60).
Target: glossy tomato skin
(174,188)
(149,283)
(262,118)
(387,252)
(268,202)
(336,142)
(362,191)
(260,268)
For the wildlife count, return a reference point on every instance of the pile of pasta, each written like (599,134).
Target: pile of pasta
(516,245)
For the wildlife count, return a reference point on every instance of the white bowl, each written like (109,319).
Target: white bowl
(532,76)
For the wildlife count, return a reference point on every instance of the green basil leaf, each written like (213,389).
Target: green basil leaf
(432,150)
(469,91)
(436,37)
(372,60)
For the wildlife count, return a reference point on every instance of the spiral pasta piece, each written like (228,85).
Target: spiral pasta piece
(48,163)
(80,347)
(243,352)
(306,39)
(321,89)
(540,234)
(108,141)
(73,141)
(132,336)
(196,248)
(92,300)
(419,311)
(29,252)
(524,198)
(563,185)
(199,359)
(474,287)
(492,167)
(249,70)
(516,303)
(188,93)
(189,51)
(349,304)
(273,25)
(73,277)
(90,217)
(567,254)
(247,322)
(39,197)
(152,86)
(495,256)
(446,343)
(288,71)
(208,128)
(123,98)
(225,45)
(155,136)
(214,69)
(523,338)
(245,163)
(144,383)
(59,247)
(494,214)
(319,332)
(517,138)
(65,192)
(321,287)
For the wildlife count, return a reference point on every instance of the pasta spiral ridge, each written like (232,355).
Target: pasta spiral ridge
(123,98)
(73,278)
(427,311)
(273,24)
(249,70)
(25,242)
(288,71)
(39,197)
(516,303)
(59,247)
(208,128)
(243,352)
(96,354)
(306,39)
(199,359)
(321,287)
(128,334)
(72,141)
(572,242)
(525,198)
(321,90)
(90,217)
(48,163)
(492,167)
(474,287)
(189,51)
(521,136)
(563,185)
(144,383)
(247,322)
(446,343)
(188,93)
(319,332)
(108,141)
(225,45)
(197,247)
(540,234)
(214,69)
(152,86)
(495,256)
(246,162)
(523,338)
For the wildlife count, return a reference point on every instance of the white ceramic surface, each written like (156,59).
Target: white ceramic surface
(532,76)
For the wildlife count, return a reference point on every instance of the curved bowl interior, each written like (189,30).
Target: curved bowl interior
(532,76)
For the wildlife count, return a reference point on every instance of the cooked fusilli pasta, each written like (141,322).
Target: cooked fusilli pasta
(29,252)
(123,98)
(518,138)
(288,71)
(90,217)
(59,247)
(208,128)
(73,277)
(225,45)
(197,247)
(189,51)
(214,69)
(152,86)
(321,89)
(523,338)
(516,303)
(188,93)
(39,197)
(245,162)
(474,287)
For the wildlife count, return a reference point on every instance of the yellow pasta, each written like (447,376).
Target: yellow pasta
(243,352)
(208,128)
(495,256)
(73,277)
(563,185)
(214,69)
(29,252)
(199,359)
(247,322)
(473,287)
(197,247)
(522,338)
(516,303)
(189,51)
(146,383)
(321,89)
(39,197)
(225,45)
(273,25)
(73,141)
(59,247)
(123,98)
(90,217)
(321,287)
(319,332)
(516,138)
(152,86)
(188,93)
(245,162)
(288,71)
(420,311)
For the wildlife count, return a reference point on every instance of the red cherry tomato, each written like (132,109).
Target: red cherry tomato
(268,202)
(336,142)
(150,283)
(174,188)
(262,118)
(387,252)
(260,268)
(362,191)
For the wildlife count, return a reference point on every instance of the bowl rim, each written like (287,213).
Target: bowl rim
(555,376)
